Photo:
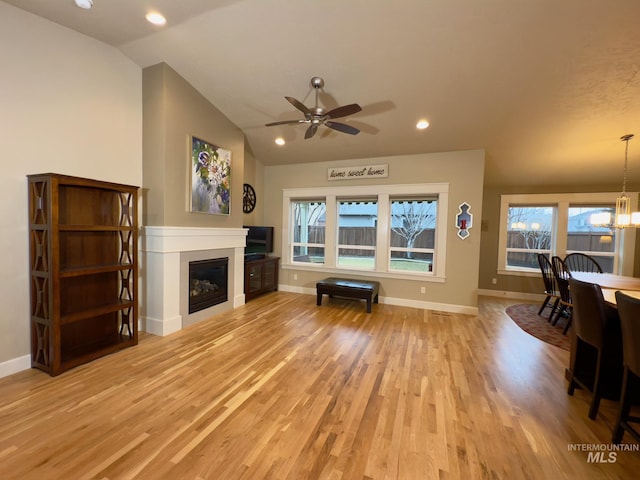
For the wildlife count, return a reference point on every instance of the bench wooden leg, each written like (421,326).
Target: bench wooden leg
(319,300)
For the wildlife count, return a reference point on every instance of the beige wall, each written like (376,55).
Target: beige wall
(489,244)
(68,104)
(254,176)
(464,172)
(173,111)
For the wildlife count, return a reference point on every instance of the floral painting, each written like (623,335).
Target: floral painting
(210,178)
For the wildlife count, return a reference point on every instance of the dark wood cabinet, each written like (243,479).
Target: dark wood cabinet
(260,276)
(83,269)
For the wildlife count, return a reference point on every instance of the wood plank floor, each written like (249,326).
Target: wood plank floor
(283,389)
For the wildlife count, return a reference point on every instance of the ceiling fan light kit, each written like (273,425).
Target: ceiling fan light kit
(317,115)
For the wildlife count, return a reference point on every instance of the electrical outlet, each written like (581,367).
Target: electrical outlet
(494,280)
(423,289)
(295,276)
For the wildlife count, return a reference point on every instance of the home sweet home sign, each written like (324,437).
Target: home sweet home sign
(355,173)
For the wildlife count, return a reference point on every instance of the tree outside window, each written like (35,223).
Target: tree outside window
(413,225)
(529,232)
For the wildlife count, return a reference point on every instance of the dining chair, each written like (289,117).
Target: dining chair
(550,286)
(581,262)
(629,312)
(597,330)
(565,306)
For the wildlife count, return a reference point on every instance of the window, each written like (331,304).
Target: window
(395,231)
(308,217)
(357,232)
(598,242)
(559,224)
(529,232)
(413,229)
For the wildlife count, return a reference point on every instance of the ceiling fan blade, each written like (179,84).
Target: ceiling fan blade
(285,122)
(311,131)
(299,105)
(341,127)
(344,111)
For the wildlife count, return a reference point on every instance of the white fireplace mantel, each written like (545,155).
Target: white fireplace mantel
(164,251)
(188,239)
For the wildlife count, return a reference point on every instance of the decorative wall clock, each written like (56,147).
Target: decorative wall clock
(248,199)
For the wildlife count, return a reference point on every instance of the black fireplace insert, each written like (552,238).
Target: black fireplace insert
(207,283)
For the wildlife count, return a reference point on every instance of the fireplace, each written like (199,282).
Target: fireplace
(207,283)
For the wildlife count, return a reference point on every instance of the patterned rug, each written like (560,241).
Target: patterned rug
(527,318)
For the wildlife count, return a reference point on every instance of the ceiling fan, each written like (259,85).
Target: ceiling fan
(317,115)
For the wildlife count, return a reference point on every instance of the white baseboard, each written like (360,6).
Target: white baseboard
(161,327)
(401,302)
(294,289)
(15,365)
(239,300)
(514,295)
(440,307)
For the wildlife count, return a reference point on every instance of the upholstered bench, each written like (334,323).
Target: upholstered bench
(343,287)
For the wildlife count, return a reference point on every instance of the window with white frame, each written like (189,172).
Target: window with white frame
(530,229)
(412,234)
(357,233)
(395,230)
(559,224)
(599,242)
(308,230)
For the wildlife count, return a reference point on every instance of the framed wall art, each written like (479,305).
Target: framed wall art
(210,178)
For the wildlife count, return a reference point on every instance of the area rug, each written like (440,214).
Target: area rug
(527,318)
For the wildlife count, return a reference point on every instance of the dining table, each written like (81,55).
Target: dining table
(609,284)
(609,280)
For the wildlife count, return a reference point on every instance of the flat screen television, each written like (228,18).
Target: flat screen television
(259,241)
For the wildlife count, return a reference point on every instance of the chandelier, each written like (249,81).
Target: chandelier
(623,216)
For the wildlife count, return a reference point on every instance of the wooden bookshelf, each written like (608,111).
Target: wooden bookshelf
(83,269)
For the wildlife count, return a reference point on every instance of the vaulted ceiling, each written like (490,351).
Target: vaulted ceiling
(546,87)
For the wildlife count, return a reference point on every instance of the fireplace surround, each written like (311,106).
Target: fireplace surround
(165,256)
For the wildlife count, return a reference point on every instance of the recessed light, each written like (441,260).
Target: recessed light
(280,141)
(422,124)
(86,4)
(155,18)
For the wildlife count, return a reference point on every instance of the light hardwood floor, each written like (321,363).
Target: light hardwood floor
(281,388)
